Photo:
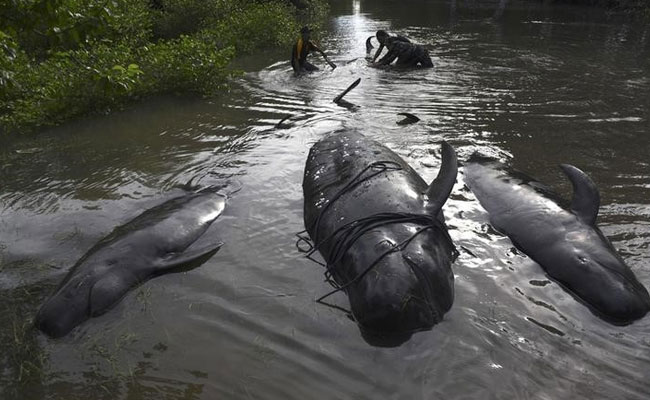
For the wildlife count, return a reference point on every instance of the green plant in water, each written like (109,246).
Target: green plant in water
(21,356)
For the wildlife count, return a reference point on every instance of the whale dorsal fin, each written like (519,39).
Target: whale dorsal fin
(439,190)
(586,199)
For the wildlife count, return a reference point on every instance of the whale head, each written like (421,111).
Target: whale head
(65,309)
(595,271)
(57,317)
(587,264)
(405,291)
(80,297)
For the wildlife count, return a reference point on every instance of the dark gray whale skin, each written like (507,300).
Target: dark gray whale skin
(152,244)
(561,237)
(408,290)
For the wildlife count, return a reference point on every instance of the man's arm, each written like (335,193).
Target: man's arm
(322,53)
(388,58)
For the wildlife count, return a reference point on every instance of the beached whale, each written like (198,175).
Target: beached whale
(381,231)
(561,237)
(154,243)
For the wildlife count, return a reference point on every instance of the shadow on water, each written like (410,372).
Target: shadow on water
(540,86)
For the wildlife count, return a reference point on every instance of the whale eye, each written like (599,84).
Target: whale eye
(385,244)
(583,260)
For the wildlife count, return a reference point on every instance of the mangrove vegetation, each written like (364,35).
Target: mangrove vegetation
(64,58)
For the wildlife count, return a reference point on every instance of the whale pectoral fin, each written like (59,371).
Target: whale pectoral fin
(105,293)
(440,188)
(176,260)
(586,199)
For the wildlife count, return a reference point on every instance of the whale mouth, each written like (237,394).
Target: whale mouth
(394,325)
(635,306)
(624,319)
(52,327)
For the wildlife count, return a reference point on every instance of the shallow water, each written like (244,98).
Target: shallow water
(541,86)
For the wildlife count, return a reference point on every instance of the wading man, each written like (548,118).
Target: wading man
(301,49)
(401,49)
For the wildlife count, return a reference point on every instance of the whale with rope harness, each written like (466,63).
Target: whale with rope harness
(381,232)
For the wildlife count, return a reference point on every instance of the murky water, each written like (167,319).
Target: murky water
(542,86)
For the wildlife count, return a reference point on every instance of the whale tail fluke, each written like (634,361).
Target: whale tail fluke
(440,188)
(369,45)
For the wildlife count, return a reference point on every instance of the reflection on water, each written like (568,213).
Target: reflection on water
(541,86)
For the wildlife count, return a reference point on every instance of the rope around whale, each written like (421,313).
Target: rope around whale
(346,235)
